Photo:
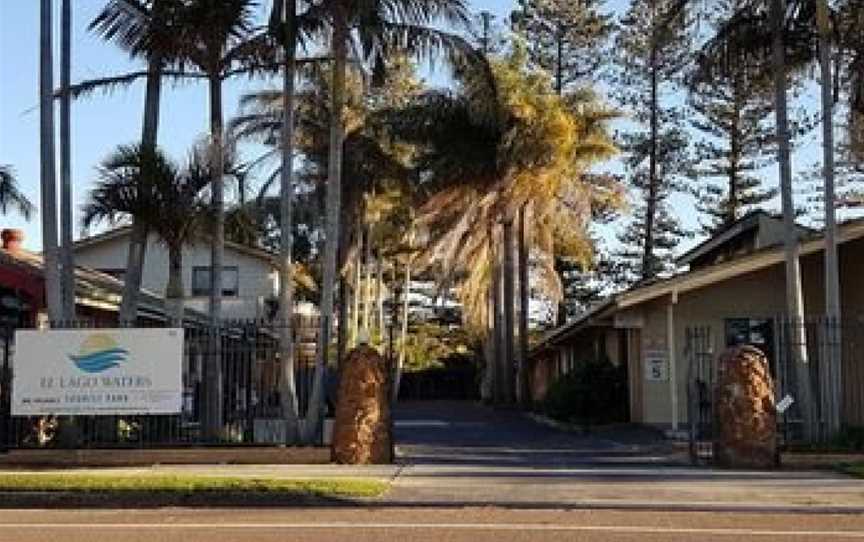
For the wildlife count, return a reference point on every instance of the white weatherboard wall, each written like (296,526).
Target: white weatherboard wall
(258,278)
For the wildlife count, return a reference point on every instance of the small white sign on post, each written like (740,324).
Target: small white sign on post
(784,404)
(656,366)
(97,372)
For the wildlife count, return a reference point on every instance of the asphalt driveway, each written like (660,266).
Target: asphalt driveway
(462,454)
(452,432)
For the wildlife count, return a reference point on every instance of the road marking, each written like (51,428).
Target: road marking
(535,527)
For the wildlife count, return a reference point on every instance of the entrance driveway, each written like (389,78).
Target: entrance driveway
(465,433)
(463,454)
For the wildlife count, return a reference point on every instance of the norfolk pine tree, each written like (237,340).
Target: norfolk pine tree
(566,38)
(733,115)
(653,51)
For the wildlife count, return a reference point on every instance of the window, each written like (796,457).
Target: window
(752,331)
(201,281)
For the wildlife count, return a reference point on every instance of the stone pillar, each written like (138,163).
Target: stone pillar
(745,416)
(362,432)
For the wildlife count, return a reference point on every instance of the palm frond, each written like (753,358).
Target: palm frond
(109,84)
(11,195)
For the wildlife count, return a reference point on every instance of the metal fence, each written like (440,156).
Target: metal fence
(818,362)
(250,401)
(701,370)
(829,354)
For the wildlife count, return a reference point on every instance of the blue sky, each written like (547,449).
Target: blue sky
(100,122)
(104,121)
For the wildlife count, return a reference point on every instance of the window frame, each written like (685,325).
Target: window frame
(227,290)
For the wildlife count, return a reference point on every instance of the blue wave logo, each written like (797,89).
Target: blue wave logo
(99,353)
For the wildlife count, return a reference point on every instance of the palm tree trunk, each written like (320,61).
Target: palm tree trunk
(174,291)
(288,392)
(794,296)
(524,309)
(488,383)
(53,295)
(342,318)
(832,273)
(367,290)
(497,326)
(134,272)
(403,332)
(217,201)
(379,295)
(138,238)
(509,308)
(213,427)
(67,259)
(311,428)
(358,287)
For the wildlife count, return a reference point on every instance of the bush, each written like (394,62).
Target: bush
(594,392)
(850,438)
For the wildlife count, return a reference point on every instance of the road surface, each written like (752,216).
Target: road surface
(469,474)
(413,524)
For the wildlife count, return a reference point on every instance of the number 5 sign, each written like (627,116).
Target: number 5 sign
(656,366)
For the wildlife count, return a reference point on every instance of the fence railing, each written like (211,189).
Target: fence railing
(699,353)
(818,362)
(828,355)
(250,399)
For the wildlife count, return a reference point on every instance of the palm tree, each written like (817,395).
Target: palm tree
(768,34)
(143,29)
(53,291)
(794,294)
(284,15)
(11,195)
(136,182)
(832,273)
(384,27)
(218,40)
(215,38)
(365,160)
(485,156)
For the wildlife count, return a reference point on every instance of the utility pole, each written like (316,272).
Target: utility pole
(48,172)
(67,265)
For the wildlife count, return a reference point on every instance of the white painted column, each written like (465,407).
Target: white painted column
(670,344)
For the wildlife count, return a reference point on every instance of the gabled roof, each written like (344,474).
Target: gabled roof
(746,223)
(92,288)
(124,231)
(693,280)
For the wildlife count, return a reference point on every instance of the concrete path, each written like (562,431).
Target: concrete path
(461,454)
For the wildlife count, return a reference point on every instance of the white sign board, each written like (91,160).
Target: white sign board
(97,371)
(656,366)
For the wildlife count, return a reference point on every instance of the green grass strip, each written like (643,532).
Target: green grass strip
(185,484)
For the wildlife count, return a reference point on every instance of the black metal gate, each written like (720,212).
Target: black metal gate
(701,372)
